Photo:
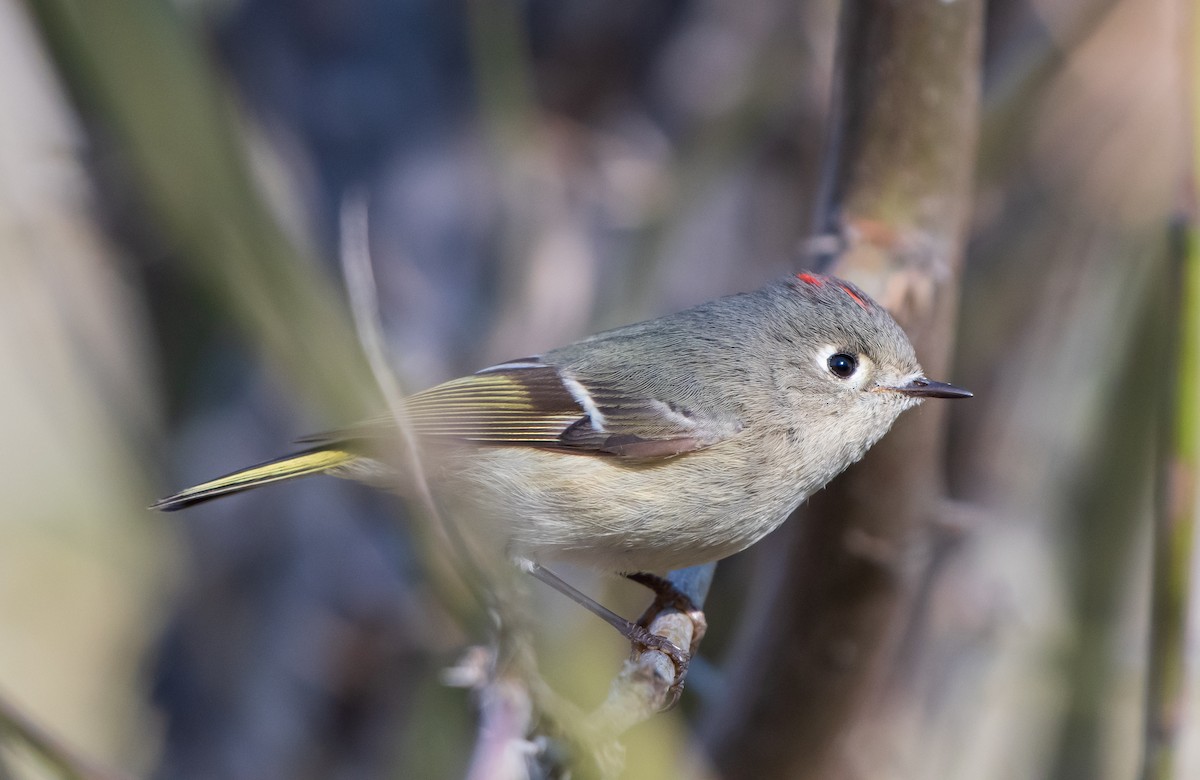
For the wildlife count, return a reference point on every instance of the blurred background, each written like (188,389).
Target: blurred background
(171,309)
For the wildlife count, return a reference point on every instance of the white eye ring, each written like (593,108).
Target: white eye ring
(843,365)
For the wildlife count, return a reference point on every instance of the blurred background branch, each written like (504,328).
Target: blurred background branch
(1173,669)
(135,69)
(1174,528)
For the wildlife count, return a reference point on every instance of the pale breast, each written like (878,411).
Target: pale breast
(618,515)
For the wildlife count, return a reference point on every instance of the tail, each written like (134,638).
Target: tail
(300,464)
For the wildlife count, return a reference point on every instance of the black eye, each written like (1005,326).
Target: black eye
(843,365)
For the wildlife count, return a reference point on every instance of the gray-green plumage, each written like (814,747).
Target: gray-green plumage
(666,443)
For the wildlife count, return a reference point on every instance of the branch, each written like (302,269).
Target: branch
(643,687)
(364,305)
(896,190)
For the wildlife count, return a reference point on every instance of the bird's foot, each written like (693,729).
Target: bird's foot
(667,596)
(644,640)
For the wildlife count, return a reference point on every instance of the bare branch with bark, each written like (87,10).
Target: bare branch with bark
(896,190)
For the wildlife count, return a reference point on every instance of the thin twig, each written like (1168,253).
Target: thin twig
(505,699)
(364,305)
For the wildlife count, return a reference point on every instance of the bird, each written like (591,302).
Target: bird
(651,447)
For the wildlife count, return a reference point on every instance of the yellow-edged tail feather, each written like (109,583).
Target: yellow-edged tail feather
(300,464)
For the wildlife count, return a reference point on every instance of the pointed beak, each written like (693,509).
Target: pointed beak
(927,388)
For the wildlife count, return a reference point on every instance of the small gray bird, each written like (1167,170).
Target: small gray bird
(655,446)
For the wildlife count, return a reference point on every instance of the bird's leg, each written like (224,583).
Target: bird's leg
(667,596)
(576,595)
(637,633)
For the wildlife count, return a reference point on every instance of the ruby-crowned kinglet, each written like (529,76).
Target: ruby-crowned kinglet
(654,446)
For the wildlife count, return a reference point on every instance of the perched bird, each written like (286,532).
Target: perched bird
(654,446)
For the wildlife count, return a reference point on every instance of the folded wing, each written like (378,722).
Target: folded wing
(534,404)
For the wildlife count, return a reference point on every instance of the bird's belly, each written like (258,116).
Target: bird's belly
(615,515)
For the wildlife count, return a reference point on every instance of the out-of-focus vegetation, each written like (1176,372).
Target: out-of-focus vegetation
(170,176)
